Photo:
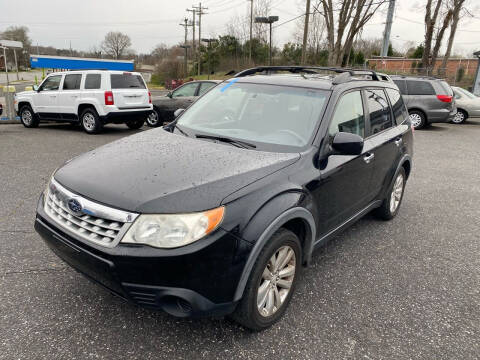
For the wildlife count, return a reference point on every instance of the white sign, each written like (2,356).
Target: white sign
(11,44)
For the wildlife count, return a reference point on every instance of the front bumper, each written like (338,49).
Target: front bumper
(199,279)
(121,117)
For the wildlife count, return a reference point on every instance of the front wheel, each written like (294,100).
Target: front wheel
(271,282)
(460,117)
(391,204)
(28,117)
(153,118)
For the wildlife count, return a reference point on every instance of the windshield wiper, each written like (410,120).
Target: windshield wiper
(175,126)
(237,143)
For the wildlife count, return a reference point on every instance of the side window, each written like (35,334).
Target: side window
(418,87)
(51,83)
(380,114)
(401,85)
(349,115)
(185,90)
(204,87)
(72,82)
(93,81)
(398,106)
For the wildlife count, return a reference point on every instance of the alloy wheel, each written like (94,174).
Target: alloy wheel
(397,192)
(89,121)
(27,117)
(459,117)
(152,118)
(416,120)
(276,281)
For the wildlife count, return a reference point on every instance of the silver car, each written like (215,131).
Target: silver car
(468,105)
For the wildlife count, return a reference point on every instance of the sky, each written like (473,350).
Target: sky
(84,23)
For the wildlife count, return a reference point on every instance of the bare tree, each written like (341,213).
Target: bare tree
(343,20)
(116,44)
(457,6)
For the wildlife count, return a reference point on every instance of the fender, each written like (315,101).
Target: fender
(400,164)
(292,213)
(90,102)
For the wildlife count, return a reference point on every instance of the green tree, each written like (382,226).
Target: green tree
(418,53)
(390,50)
(291,54)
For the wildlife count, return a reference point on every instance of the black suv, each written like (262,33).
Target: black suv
(218,212)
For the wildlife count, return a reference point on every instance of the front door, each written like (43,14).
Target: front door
(46,100)
(345,180)
(181,98)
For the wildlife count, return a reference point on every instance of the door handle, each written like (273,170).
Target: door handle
(53,96)
(368,158)
(74,96)
(398,141)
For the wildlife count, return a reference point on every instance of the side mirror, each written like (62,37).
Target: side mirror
(35,87)
(347,143)
(178,112)
(169,94)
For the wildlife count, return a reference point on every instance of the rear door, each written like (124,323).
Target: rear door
(129,91)
(385,138)
(68,96)
(46,100)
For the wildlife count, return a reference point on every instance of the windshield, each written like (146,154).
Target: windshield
(262,114)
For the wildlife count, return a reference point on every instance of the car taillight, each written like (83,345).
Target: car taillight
(109,98)
(445,98)
(149,97)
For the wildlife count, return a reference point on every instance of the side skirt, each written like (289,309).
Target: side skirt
(332,233)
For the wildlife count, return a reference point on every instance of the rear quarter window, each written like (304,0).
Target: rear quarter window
(418,87)
(448,90)
(398,106)
(127,81)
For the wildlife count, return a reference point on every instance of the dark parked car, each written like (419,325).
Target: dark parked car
(429,100)
(164,107)
(230,200)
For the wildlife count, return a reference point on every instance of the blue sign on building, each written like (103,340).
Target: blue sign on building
(75,63)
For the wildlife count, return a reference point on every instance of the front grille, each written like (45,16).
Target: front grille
(94,222)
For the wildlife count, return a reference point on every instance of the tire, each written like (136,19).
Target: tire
(247,312)
(153,119)
(417,118)
(135,124)
(90,121)
(28,117)
(460,117)
(391,204)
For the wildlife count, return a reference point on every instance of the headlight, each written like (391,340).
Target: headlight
(173,230)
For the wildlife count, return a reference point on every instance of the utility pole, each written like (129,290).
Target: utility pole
(16,62)
(251,30)
(305,32)
(388,28)
(185,46)
(200,12)
(193,11)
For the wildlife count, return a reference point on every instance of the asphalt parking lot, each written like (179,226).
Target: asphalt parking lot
(405,289)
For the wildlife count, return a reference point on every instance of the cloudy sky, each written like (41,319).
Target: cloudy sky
(149,22)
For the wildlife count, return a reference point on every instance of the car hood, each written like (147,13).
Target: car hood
(160,172)
(24,93)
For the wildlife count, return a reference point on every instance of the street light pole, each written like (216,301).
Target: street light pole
(268,20)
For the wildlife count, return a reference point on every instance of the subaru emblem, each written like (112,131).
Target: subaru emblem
(74,205)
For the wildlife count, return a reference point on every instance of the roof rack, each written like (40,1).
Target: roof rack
(346,74)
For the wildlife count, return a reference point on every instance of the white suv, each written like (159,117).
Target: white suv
(92,97)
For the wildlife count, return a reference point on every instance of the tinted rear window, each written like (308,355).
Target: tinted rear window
(92,81)
(416,87)
(127,81)
(72,82)
(401,85)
